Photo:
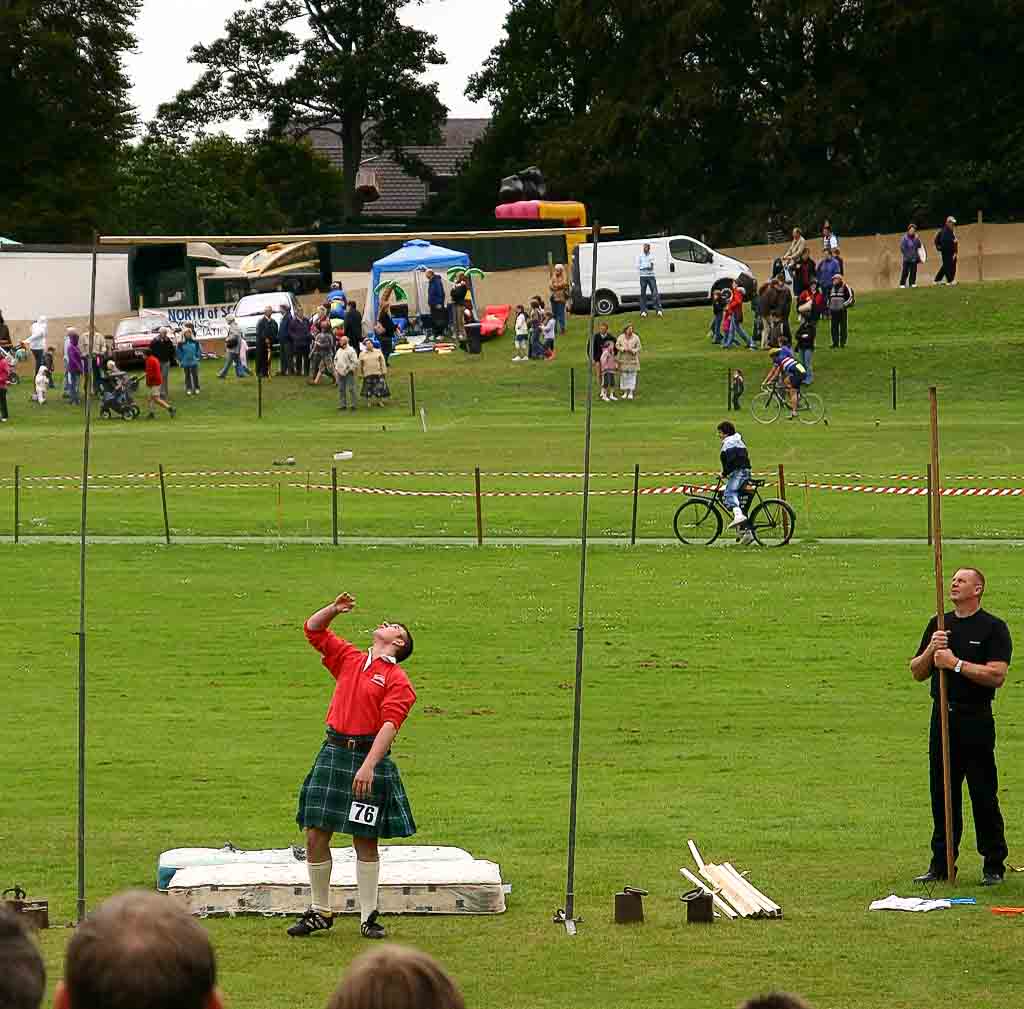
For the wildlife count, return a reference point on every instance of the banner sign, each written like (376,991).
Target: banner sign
(208,321)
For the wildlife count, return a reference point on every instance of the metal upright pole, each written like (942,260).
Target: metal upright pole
(163,501)
(572,390)
(334,505)
(636,494)
(940,617)
(479,508)
(412,392)
(894,388)
(81,599)
(17,502)
(568,916)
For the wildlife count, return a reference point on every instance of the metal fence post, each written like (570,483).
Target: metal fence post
(334,504)
(17,502)
(479,511)
(636,492)
(163,502)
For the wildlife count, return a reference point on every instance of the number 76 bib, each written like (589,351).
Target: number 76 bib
(364,813)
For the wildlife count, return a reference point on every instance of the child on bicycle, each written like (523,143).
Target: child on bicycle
(792,372)
(735,469)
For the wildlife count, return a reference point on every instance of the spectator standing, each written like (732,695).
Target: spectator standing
(373,370)
(840,300)
(796,249)
(522,334)
(346,363)
(23,978)
(803,272)
(949,247)
(321,360)
(608,366)
(829,241)
(284,340)
(628,348)
(302,336)
(601,337)
(460,295)
(42,383)
(298,335)
(911,251)
(189,356)
(548,329)
(732,320)
(559,287)
(648,281)
(48,362)
(386,331)
(827,269)
(5,381)
(810,309)
(353,324)
(154,381)
(267,331)
(66,393)
(75,367)
(37,340)
(435,304)
(5,336)
(163,348)
(396,977)
(234,350)
(139,949)
(719,298)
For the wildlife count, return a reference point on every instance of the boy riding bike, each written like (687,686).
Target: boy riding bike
(784,364)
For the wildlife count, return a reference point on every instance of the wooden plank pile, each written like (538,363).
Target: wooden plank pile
(732,893)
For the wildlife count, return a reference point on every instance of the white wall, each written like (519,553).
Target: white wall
(57,284)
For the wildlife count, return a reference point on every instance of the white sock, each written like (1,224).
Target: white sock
(367,875)
(320,884)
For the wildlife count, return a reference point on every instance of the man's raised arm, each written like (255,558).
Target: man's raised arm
(321,620)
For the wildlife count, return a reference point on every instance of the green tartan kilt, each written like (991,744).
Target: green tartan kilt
(325,799)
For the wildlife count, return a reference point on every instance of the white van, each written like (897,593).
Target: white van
(686,270)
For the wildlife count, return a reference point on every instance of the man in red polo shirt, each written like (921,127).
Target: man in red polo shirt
(354,786)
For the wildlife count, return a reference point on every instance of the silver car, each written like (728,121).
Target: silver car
(249,311)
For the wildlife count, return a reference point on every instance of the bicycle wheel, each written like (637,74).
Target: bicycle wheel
(697,522)
(765,407)
(772,522)
(811,408)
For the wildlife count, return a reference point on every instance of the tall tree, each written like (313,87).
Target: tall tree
(66,110)
(356,76)
(219,185)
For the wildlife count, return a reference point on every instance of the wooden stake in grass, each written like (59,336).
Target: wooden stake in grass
(17,502)
(163,502)
(940,617)
(479,510)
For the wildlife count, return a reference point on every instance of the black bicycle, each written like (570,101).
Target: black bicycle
(700,519)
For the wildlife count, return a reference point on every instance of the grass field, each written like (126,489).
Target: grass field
(507,417)
(759,702)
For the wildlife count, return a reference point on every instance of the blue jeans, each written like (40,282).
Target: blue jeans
(737,478)
(233,359)
(806,354)
(735,326)
(558,312)
(73,378)
(649,284)
(716,328)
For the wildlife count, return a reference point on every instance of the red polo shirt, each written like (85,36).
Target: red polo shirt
(154,377)
(363,699)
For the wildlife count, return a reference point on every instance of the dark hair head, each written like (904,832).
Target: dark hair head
(23,978)
(139,949)
(775,1000)
(977,574)
(406,649)
(727,427)
(396,977)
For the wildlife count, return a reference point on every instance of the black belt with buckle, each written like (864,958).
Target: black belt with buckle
(970,707)
(359,744)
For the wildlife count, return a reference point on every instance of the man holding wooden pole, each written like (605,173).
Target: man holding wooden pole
(972,649)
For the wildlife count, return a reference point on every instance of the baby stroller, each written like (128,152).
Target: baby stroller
(116,396)
(12,358)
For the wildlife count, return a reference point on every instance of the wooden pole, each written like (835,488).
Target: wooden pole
(981,246)
(728,390)
(782,495)
(572,390)
(894,388)
(17,502)
(334,505)
(479,511)
(163,502)
(636,497)
(280,510)
(259,395)
(412,392)
(940,608)
(929,499)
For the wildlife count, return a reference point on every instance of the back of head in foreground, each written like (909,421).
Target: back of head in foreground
(776,1000)
(22,974)
(396,977)
(139,950)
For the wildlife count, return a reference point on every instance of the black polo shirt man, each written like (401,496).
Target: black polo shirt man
(975,651)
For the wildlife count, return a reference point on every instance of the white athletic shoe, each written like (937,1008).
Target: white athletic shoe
(738,518)
(902,286)
(604,396)
(746,539)
(660,314)
(952,283)
(613,397)
(643,315)
(629,395)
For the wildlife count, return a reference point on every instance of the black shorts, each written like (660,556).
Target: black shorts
(794,377)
